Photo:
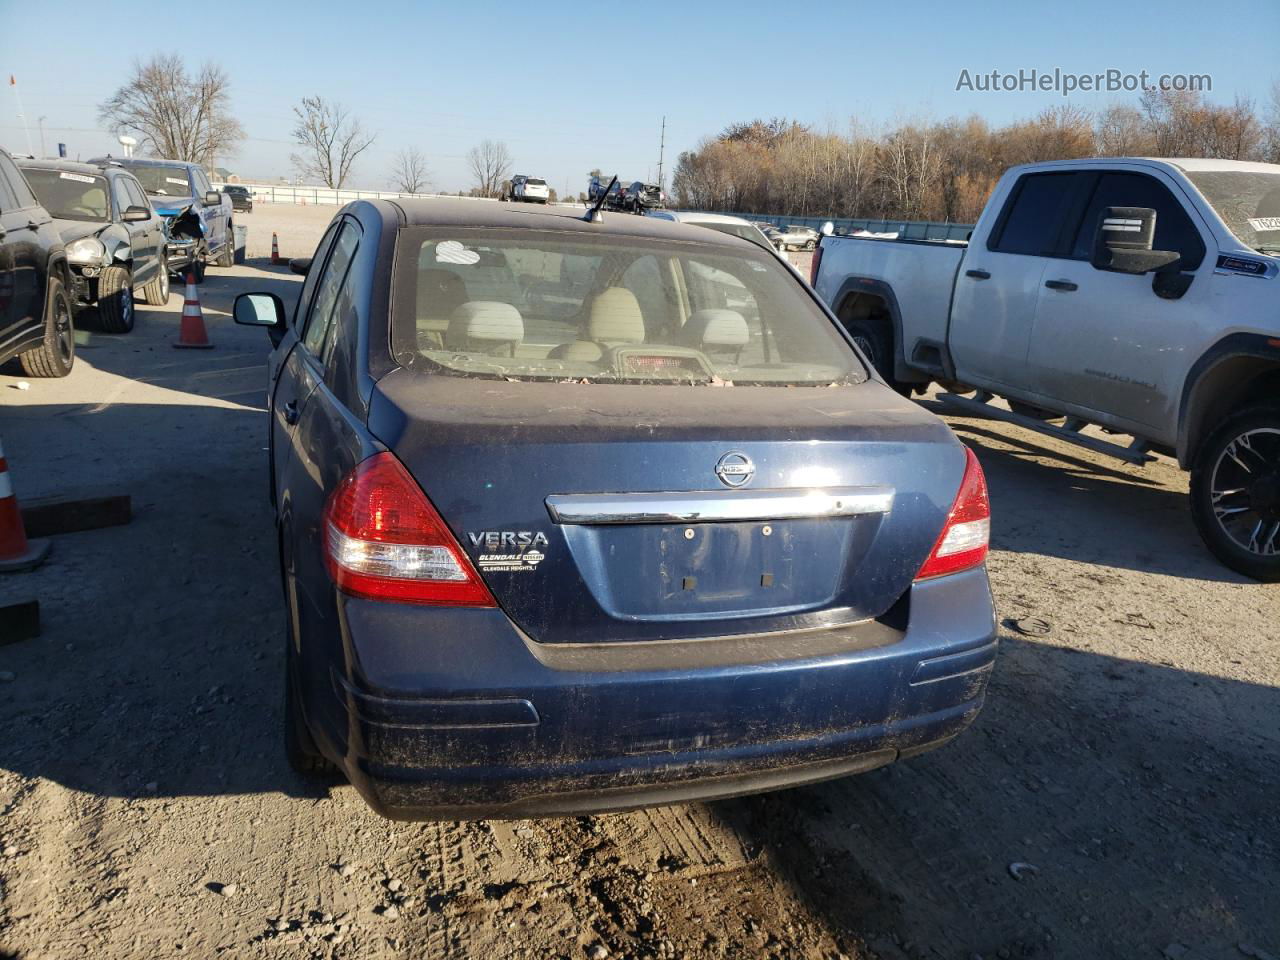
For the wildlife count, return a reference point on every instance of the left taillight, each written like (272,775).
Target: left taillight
(385,541)
(966,537)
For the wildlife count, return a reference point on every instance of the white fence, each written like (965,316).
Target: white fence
(321,196)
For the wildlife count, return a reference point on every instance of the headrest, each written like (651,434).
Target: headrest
(483,323)
(439,293)
(716,328)
(615,317)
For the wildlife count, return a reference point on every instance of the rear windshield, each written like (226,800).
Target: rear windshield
(70,196)
(164,181)
(744,231)
(541,305)
(536,183)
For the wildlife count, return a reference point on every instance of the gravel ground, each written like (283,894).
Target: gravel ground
(1116,798)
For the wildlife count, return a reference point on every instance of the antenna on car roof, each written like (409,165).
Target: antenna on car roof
(594,215)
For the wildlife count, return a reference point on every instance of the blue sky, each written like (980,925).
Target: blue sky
(572,86)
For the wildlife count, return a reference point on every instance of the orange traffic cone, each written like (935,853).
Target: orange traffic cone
(191,333)
(16,551)
(275,249)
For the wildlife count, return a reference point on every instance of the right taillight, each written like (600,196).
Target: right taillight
(385,541)
(965,537)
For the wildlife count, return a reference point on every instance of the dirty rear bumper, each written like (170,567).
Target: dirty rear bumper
(455,714)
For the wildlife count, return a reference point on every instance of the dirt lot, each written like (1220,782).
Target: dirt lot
(1131,755)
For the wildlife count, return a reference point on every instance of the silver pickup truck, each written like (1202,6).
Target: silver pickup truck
(1139,295)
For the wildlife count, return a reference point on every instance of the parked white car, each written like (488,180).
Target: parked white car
(529,189)
(1136,294)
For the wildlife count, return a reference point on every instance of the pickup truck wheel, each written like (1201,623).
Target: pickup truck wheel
(1235,492)
(227,255)
(57,353)
(876,344)
(115,300)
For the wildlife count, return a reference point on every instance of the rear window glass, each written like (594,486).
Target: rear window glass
(164,181)
(551,306)
(1032,223)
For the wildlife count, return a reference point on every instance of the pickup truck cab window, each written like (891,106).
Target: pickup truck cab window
(1031,221)
(1174,229)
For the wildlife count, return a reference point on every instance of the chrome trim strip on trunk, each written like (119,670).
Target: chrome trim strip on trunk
(717,506)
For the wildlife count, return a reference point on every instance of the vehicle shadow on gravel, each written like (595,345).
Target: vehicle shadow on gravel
(1081,510)
(1141,797)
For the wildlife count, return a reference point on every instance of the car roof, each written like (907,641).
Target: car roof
(65,166)
(142,162)
(469,212)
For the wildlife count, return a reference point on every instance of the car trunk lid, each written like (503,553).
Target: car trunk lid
(602,513)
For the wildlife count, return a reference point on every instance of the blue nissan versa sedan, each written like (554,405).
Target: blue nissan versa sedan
(581,514)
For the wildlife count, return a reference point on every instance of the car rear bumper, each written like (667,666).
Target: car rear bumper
(449,714)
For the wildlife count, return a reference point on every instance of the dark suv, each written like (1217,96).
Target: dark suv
(35,310)
(115,243)
(241,198)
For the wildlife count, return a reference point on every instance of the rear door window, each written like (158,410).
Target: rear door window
(1174,229)
(328,288)
(1032,220)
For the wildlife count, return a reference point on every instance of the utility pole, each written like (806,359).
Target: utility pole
(13,85)
(41,122)
(662,146)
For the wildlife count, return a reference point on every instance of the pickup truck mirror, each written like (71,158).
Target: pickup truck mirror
(212,198)
(134,214)
(1122,241)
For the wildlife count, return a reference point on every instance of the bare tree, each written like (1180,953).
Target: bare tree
(409,173)
(490,164)
(176,115)
(331,140)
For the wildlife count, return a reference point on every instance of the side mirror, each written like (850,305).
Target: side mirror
(212,198)
(300,265)
(260,310)
(134,214)
(1122,241)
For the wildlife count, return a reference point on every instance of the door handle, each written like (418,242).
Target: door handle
(291,412)
(32,225)
(978,274)
(1065,285)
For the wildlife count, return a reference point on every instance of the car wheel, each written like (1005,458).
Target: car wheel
(810,244)
(876,343)
(227,255)
(157,291)
(1235,492)
(57,353)
(115,300)
(299,746)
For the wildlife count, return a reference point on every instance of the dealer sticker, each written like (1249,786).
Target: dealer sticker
(77,177)
(1264,223)
(509,551)
(176,182)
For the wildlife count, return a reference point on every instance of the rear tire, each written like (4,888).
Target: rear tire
(56,355)
(299,746)
(115,300)
(876,342)
(1235,492)
(810,244)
